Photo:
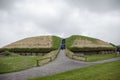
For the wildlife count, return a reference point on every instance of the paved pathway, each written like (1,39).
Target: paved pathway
(60,64)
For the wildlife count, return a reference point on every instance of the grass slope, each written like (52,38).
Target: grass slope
(106,71)
(84,41)
(36,42)
(12,64)
(34,45)
(70,40)
(32,42)
(56,42)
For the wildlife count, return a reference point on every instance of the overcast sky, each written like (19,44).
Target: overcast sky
(25,18)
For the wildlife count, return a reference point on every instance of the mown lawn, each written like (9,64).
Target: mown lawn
(106,71)
(91,58)
(100,57)
(12,64)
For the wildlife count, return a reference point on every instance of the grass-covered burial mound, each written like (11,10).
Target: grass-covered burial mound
(88,45)
(39,44)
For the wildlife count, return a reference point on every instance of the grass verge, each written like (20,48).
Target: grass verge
(105,71)
(91,58)
(97,57)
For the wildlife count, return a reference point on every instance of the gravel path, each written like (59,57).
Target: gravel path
(60,64)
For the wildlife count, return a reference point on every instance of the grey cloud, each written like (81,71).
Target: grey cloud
(61,25)
(96,5)
(17,22)
(7,4)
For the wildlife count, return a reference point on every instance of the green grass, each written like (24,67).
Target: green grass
(18,63)
(70,40)
(56,42)
(105,71)
(55,45)
(12,64)
(91,58)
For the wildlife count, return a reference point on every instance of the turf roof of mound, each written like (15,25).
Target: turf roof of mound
(36,42)
(84,42)
(32,42)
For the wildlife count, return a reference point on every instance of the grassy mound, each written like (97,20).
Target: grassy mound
(70,40)
(84,43)
(43,44)
(32,42)
(34,45)
(56,42)
(105,71)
